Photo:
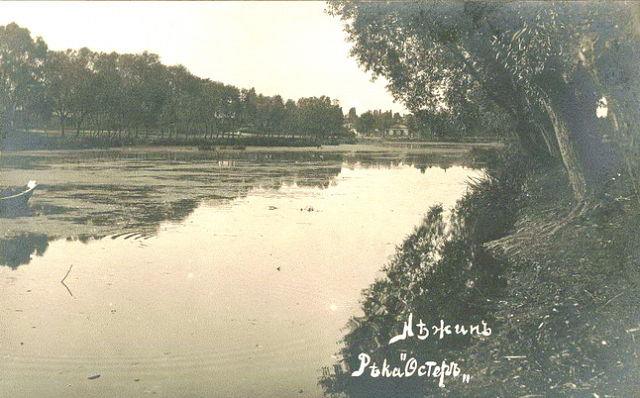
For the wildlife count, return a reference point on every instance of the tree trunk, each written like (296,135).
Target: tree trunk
(10,119)
(570,159)
(589,158)
(625,137)
(79,125)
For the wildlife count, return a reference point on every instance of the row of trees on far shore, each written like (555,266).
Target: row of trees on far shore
(441,124)
(111,95)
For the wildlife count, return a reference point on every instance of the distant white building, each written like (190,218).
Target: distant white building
(398,130)
(350,128)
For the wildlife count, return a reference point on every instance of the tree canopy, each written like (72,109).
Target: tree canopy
(543,65)
(112,94)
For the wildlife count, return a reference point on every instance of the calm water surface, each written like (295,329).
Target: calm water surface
(199,275)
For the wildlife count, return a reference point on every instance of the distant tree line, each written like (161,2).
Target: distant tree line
(121,96)
(373,122)
(134,95)
(441,124)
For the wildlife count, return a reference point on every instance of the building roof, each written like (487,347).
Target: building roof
(398,126)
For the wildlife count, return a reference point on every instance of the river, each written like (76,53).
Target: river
(192,274)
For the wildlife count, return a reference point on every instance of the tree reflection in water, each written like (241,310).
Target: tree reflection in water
(93,194)
(440,272)
(19,249)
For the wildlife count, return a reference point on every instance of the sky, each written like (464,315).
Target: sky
(293,49)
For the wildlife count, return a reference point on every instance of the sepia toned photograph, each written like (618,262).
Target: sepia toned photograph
(320,199)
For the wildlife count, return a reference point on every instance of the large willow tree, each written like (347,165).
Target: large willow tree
(548,65)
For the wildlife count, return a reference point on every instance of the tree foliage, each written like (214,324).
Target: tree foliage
(544,65)
(111,94)
(21,65)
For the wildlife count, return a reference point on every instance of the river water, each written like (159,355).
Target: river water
(198,274)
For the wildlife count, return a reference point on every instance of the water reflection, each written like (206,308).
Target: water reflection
(18,250)
(242,297)
(441,275)
(86,194)
(198,274)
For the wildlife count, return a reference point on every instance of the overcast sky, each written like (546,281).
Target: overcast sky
(287,48)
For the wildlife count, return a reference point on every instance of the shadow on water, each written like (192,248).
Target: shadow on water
(93,194)
(440,272)
(19,250)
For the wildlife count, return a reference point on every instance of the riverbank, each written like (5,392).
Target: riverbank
(440,148)
(560,293)
(42,141)
(569,315)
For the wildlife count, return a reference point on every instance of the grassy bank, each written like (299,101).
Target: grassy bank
(571,299)
(41,140)
(560,293)
(54,141)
